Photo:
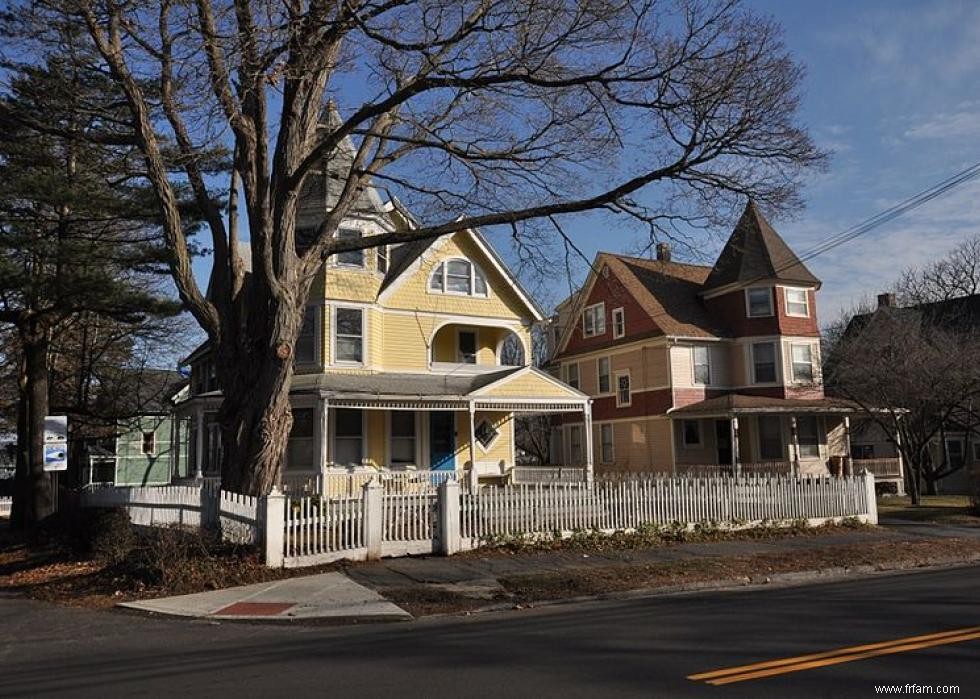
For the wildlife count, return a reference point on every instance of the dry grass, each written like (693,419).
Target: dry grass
(939,509)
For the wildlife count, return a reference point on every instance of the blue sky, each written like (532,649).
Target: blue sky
(892,90)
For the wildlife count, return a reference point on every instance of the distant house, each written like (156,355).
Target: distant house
(137,445)
(696,368)
(959,445)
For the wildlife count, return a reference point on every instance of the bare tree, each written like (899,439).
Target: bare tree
(476,112)
(955,274)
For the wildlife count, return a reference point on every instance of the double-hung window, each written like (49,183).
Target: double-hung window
(575,443)
(602,367)
(759,302)
(797,303)
(351,258)
(802,363)
(808,436)
(382,259)
(403,437)
(571,375)
(692,433)
(349,335)
(348,437)
(606,451)
(764,362)
(770,438)
(623,396)
(594,320)
(619,322)
(702,365)
(301,447)
(306,342)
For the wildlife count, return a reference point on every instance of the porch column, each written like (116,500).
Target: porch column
(795,469)
(736,455)
(323,456)
(848,465)
(474,476)
(199,442)
(901,461)
(589,470)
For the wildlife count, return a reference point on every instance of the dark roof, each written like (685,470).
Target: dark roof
(755,252)
(960,313)
(674,304)
(142,392)
(741,403)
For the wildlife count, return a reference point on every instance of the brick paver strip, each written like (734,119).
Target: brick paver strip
(254,609)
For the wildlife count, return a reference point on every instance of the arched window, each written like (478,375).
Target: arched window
(458,277)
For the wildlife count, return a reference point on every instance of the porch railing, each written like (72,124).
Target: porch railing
(880,468)
(345,485)
(748,468)
(548,474)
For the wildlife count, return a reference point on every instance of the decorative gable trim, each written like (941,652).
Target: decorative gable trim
(573,393)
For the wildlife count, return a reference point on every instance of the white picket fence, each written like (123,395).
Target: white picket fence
(237,516)
(623,505)
(548,474)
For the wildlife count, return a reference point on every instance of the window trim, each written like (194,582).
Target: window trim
(476,425)
(619,403)
(596,332)
(317,333)
(793,363)
(443,268)
(578,375)
(618,323)
(694,365)
(153,438)
(332,441)
(748,302)
(333,337)
(817,431)
(313,439)
(382,252)
(363,251)
(612,444)
(693,445)
(416,439)
(598,376)
(775,361)
(806,301)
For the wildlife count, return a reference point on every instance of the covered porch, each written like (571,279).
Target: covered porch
(757,435)
(405,429)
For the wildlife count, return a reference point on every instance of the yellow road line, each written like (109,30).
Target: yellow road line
(941,637)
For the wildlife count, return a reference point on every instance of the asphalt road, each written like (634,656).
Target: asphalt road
(639,647)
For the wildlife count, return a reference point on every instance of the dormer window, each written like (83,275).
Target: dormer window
(352,258)
(458,277)
(758,302)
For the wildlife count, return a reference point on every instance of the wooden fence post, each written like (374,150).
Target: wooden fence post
(274,510)
(869,492)
(449,518)
(373,518)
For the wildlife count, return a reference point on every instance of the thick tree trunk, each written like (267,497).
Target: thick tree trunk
(33,494)
(255,414)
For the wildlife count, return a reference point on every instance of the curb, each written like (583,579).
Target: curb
(793,579)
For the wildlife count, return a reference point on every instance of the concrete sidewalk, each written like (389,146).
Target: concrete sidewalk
(326,597)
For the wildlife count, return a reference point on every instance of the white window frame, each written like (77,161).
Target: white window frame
(363,252)
(442,269)
(691,445)
(333,336)
(382,253)
(476,345)
(748,302)
(416,439)
(602,443)
(598,375)
(476,426)
(792,362)
(619,402)
(578,376)
(153,448)
(694,364)
(775,360)
(596,329)
(619,323)
(806,301)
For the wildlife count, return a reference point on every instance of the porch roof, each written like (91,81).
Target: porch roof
(741,404)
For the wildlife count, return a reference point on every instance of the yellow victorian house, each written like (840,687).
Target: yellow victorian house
(400,364)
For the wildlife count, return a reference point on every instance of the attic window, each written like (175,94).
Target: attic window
(460,277)
(594,320)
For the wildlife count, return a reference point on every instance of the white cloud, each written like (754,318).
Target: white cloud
(954,125)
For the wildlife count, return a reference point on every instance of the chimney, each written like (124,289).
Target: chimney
(887,300)
(663,252)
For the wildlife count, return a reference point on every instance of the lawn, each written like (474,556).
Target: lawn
(939,509)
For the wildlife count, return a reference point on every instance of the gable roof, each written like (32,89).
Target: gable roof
(958,313)
(754,252)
